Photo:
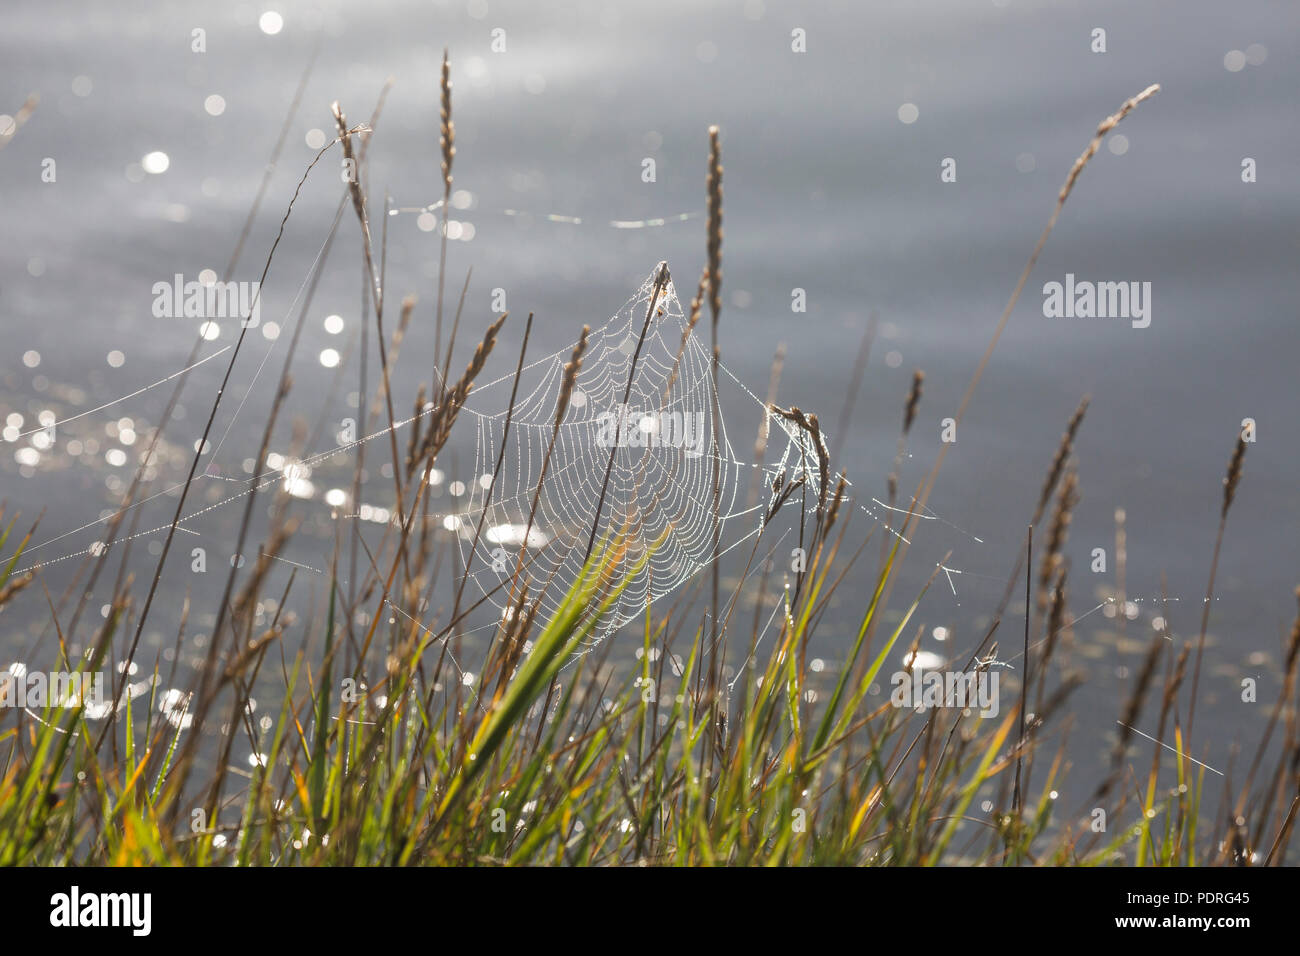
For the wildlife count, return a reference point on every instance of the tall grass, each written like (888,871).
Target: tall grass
(381,751)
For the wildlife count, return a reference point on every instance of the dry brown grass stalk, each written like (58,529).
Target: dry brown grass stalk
(447,145)
(571,370)
(909,416)
(1233,478)
(444,417)
(1062,455)
(837,498)
(1058,532)
(691,321)
(1230,482)
(913,400)
(714,184)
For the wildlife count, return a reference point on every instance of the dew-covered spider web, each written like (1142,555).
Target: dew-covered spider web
(659,493)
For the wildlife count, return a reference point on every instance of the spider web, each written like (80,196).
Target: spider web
(659,495)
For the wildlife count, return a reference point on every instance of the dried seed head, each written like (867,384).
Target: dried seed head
(1293,645)
(1056,616)
(909,659)
(354,180)
(1106,125)
(697,303)
(414,443)
(445,415)
(1233,477)
(571,369)
(1134,704)
(823,460)
(810,425)
(1066,499)
(1062,455)
(913,400)
(715,224)
(447,141)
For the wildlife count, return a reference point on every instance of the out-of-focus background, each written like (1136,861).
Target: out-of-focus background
(833,186)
